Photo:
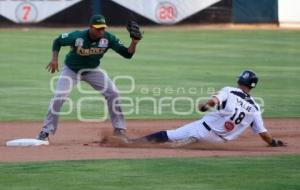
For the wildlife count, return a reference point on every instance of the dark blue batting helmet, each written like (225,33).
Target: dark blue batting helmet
(248,78)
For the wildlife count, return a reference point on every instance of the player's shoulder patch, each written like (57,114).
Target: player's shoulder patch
(103,43)
(64,35)
(79,42)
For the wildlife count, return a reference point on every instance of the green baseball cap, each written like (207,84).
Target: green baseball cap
(98,21)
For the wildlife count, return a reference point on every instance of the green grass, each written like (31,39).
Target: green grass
(173,63)
(246,173)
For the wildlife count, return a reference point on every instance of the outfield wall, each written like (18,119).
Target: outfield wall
(79,14)
(255,11)
(150,12)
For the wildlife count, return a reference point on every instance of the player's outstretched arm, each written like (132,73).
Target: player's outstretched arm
(203,107)
(62,40)
(132,47)
(134,30)
(135,35)
(267,137)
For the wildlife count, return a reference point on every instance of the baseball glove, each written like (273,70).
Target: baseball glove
(134,30)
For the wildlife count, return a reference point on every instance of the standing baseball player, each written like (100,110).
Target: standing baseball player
(235,111)
(87,48)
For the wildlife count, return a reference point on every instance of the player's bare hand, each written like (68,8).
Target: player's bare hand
(277,142)
(52,66)
(203,107)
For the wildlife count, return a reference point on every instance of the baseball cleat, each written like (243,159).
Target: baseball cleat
(121,134)
(43,136)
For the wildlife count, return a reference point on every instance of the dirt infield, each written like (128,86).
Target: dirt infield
(77,141)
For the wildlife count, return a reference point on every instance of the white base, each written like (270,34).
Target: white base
(26,142)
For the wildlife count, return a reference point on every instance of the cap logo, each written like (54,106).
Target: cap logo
(246,75)
(97,20)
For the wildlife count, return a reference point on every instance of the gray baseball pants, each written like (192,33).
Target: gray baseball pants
(99,81)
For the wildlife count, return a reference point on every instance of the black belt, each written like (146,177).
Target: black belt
(206,126)
(209,129)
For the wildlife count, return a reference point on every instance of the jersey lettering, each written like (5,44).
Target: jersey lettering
(239,118)
(245,97)
(244,105)
(92,51)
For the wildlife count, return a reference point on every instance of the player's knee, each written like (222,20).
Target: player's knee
(111,94)
(158,137)
(60,95)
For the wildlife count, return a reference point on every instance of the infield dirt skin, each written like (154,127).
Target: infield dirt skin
(76,140)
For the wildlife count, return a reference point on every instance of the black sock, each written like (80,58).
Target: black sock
(159,137)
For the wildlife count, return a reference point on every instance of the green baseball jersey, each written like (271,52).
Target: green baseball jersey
(86,53)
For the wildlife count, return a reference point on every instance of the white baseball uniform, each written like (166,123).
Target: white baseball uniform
(236,111)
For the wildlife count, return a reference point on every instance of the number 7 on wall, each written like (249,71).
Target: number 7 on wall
(26,11)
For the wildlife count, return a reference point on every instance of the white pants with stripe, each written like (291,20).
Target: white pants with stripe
(194,129)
